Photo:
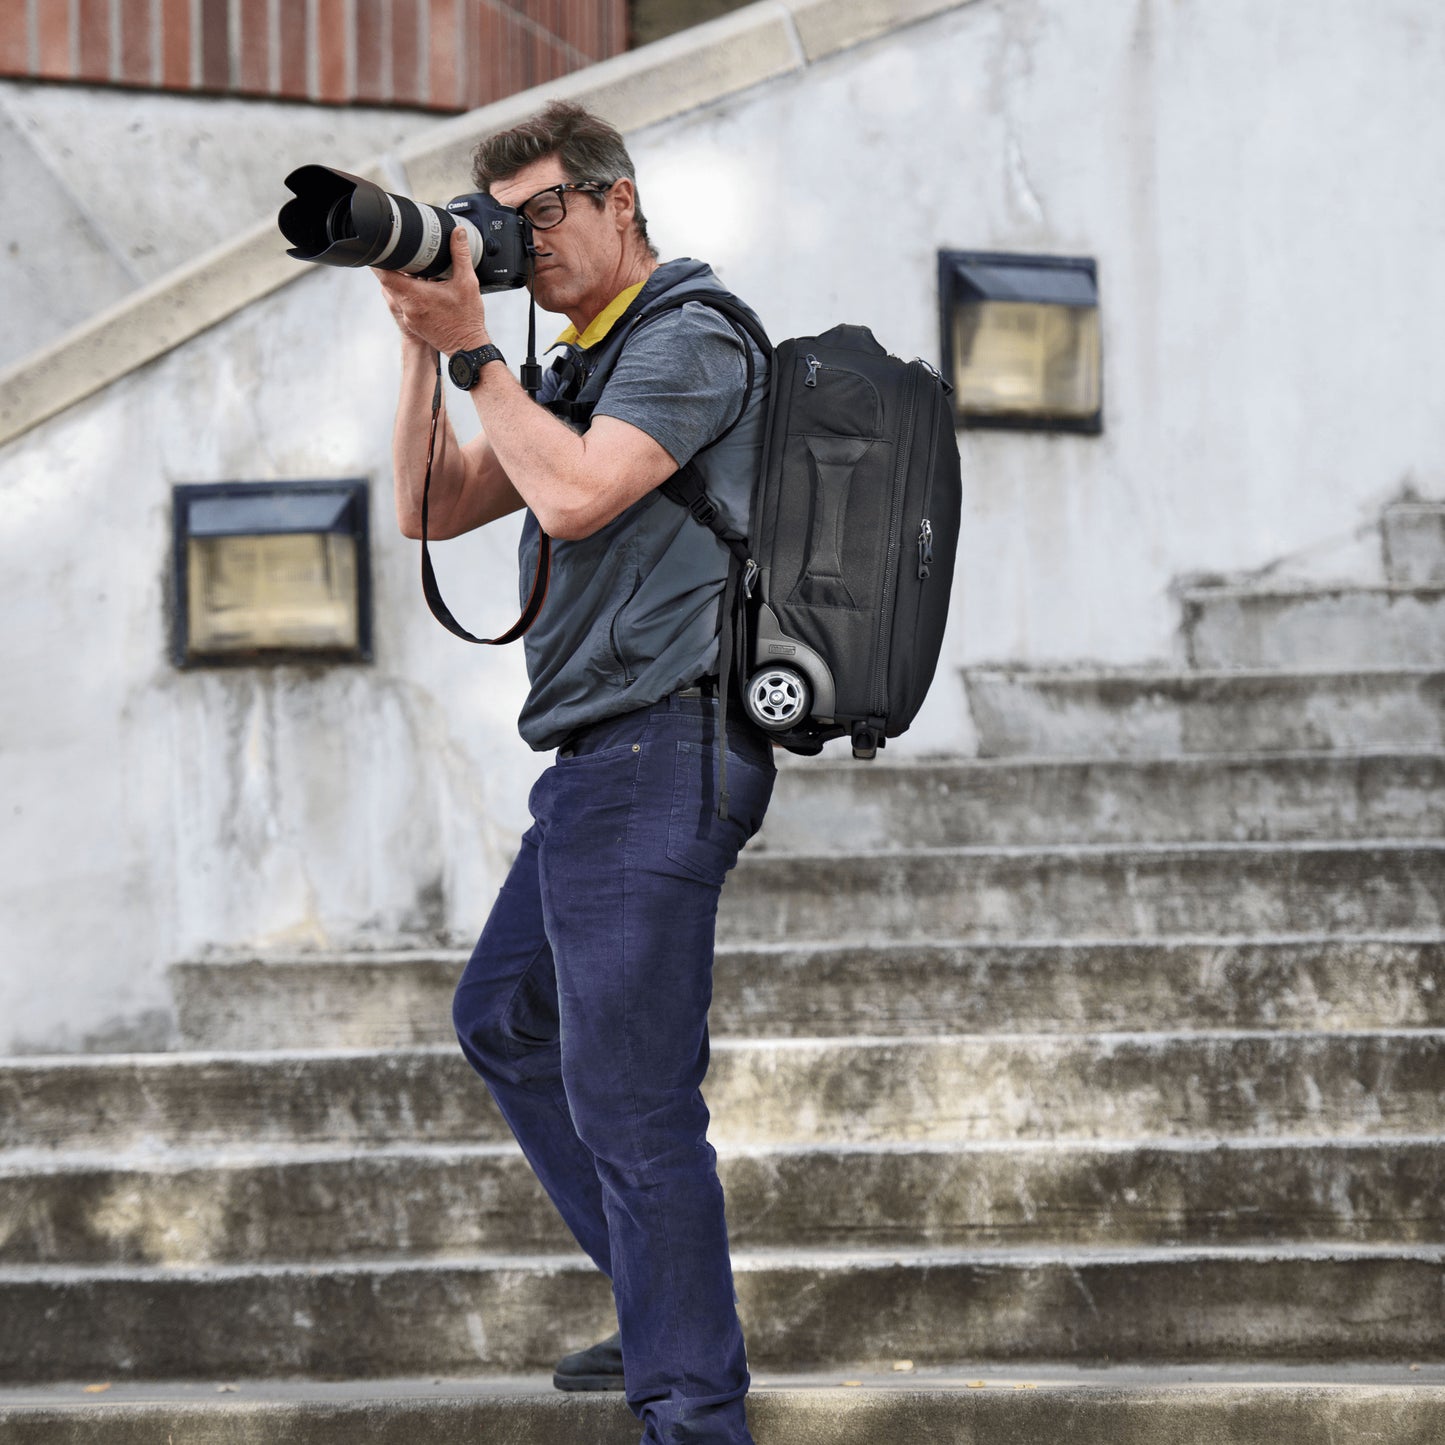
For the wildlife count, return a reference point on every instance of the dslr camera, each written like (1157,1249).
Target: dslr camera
(338,219)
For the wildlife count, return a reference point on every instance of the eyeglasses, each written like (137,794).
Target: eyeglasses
(548,208)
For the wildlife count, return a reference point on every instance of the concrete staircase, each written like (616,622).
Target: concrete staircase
(1120,1046)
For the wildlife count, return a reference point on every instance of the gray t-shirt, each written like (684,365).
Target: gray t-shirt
(680,379)
(632,611)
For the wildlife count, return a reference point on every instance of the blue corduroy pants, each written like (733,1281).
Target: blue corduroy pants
(584,1008)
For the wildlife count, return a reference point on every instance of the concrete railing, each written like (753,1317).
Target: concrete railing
(686,71)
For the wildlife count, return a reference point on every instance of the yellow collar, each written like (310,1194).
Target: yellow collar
(602,323)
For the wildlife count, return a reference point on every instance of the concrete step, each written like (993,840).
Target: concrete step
(800,1309)
(967,1087)
(1327,628)
(840,806)
(1414,538)
(337,1205)
(1153,713)
(351,1001)
(1087,893)
(1113,1405)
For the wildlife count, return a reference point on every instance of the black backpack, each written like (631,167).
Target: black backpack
(834,610)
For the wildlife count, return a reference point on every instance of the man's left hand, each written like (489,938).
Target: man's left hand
(449,314)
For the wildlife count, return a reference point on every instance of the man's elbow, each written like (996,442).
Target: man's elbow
(437,529)
(569,523)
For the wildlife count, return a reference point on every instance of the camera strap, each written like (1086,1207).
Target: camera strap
(432,593)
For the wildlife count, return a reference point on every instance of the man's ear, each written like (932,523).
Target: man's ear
(623,198)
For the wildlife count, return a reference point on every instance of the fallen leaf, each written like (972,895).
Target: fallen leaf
(978,1384)
(96,1389)
(852,1384)
(903,1366)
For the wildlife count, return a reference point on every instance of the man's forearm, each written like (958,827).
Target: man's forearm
(409,442)
(468,485)
(573,482)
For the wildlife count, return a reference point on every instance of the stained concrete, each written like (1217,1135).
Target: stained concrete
(858,1089)
(840,805)
(324,1001)
(1326,628)
(963,1406)
(336,1206)
(801,1310)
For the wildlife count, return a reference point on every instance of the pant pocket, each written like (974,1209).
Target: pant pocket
(698,841)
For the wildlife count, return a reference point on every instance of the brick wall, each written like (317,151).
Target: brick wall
(439,54)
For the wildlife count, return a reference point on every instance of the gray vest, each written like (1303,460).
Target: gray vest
(632,611)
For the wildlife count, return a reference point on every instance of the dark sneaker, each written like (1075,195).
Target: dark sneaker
(598,1367)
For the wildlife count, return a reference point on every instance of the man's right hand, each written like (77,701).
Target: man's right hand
(394,306)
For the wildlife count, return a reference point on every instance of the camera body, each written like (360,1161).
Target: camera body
(338,219)
(506,240)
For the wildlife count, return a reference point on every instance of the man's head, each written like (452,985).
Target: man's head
(600,244)
(587,148)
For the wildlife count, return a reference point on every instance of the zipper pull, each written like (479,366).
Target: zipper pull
(813,364)
(925,549)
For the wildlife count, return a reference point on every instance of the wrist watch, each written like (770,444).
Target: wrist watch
(465,367)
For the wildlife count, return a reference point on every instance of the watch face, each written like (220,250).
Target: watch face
(461,369)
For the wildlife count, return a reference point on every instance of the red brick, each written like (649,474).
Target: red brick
(614,37)
(331,39)
(483,80)
(517,55)
(176,44)
(14,38)
(585,26)
(405,50)
(444,67)
(370,51)
(137,43)
(52,33)
(253,63)
(294,47)
(570,29)
(560,61)
(215,45)
(93,18)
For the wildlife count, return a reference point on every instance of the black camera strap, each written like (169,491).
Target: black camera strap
(432,593)
(531,380)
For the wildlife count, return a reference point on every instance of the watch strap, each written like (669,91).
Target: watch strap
(465,367)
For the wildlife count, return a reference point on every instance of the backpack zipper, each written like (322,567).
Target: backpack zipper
(925,550)
(925,527)
(879,683)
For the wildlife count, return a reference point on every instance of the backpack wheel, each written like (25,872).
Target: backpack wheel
(777,698)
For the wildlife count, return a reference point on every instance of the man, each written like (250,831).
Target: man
(584,1005)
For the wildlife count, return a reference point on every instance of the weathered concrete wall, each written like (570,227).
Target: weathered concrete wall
(106,190)
(151,812)
(1258,191)
(1256,187)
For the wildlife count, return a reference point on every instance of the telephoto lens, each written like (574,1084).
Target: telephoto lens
(339,219)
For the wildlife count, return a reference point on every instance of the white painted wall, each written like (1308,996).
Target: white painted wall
(1259,185)
(108,189)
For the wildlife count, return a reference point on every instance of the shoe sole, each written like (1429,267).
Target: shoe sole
(588,1382)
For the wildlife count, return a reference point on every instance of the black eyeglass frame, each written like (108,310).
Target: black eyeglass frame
(591,188)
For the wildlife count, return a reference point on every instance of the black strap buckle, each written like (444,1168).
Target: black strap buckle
(702,508)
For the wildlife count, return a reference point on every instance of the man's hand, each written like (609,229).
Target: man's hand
(447,315)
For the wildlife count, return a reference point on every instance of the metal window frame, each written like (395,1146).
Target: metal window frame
(352,496)
(953,286)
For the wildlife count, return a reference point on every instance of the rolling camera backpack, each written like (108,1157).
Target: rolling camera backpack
(834,610)
(837,625)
